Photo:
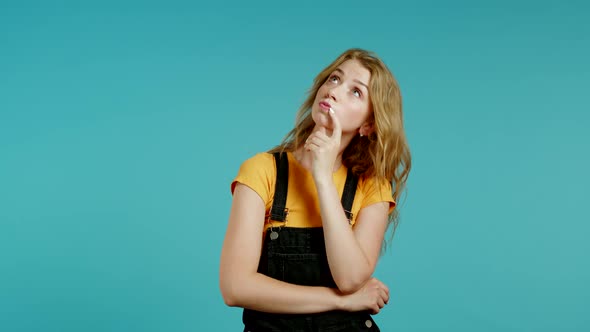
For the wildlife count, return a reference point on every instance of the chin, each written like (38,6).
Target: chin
(321,119)
(315,115)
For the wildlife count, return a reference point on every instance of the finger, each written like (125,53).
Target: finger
(321,133)
(337,128)
(382,285)
(318,140)
(311,146)
(384,296)
(374,309)
(315,141)
(381,303)
(318,134)
(306,145)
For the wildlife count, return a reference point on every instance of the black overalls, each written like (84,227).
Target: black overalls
(298,256)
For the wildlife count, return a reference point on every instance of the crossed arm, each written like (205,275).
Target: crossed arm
(242,286)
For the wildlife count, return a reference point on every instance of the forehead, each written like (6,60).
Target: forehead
(353,69)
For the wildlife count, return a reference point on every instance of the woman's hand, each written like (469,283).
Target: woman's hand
(373,296)
(324,148)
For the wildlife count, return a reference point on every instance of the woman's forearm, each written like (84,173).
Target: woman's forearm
(262,293)
(348,263)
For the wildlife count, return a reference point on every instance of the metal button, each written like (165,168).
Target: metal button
(368,323)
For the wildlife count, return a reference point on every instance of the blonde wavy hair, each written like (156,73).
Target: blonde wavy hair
(384,154)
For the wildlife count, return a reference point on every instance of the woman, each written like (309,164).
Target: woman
(308,218)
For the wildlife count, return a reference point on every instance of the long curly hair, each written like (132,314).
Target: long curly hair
(385,153)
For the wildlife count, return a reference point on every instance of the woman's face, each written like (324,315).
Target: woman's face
(346,91)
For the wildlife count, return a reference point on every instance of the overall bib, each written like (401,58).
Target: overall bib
(298,256)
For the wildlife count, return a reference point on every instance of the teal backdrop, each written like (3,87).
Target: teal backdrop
(122,124)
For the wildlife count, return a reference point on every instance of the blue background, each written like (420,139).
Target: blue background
(123,123)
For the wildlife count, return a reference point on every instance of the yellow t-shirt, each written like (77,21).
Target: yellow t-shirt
(259,173)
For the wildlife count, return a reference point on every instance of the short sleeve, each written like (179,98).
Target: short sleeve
(258,173)
(377,191)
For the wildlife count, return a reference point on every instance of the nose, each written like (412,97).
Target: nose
(332,92)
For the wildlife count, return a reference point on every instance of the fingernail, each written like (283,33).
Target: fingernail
(331,110)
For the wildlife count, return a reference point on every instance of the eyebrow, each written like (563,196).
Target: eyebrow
(355,80)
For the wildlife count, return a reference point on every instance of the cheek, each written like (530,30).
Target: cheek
(362,111)
(321,92)
(359,115)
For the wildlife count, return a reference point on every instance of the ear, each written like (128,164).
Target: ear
(366,129)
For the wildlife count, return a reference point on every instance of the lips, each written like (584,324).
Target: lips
(325,105)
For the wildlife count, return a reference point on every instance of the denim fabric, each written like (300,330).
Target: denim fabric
(298,256)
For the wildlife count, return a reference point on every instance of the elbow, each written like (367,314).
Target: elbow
(230,301)
(349,286)
(237,287)
(231,297)
(351,283)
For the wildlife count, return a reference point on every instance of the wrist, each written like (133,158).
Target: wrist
(340,300)
(323,181)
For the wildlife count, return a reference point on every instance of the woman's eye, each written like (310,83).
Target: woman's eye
(334,79)
(357,93)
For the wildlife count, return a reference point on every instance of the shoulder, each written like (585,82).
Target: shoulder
(259,160)
(257,172)
(376,190)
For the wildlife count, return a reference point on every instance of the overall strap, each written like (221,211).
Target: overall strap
(348,193)
(279,211)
